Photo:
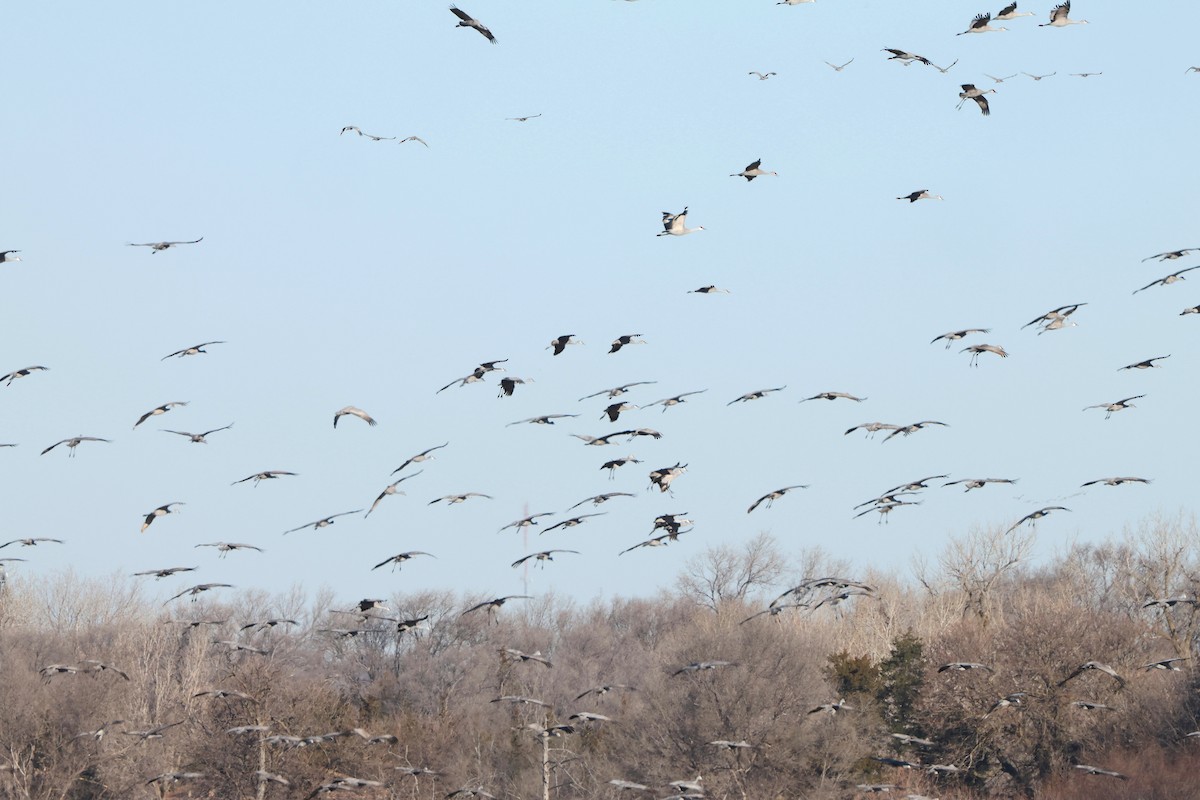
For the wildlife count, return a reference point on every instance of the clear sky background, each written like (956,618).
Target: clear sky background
(345,271)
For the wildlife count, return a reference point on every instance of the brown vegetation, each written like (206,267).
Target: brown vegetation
(350,713)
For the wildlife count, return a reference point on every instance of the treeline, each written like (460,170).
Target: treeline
(104,694)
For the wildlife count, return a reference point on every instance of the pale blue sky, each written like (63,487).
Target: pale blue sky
(344,271)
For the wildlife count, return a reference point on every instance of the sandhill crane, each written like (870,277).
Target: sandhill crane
(152,733)
(424,455)
(836,68)
(621,341)
(544,419)
(559,343)
(913,486)
(1001,80)
(1171,255)
(887,498)
(100,732)
(159,411)
(1014,699)
(832,708)
(613,412)
(762,76)
(700,666)
(1147,364)
(354,411)
(978,483)
(1115,481)
(920,194)
(771,497)
(914,741)
(668,402)
(1039,77)
(495,605)
(267,475)
(904,57)
(413,139)
(1191,310)
(1059,19)
(676,224)
(397,560)
(1167,664)
(871,428)
(752,171)
(976,350)
(465,20)
(793,2)
(390,489)
(509,385)
(522,119)
(573,521)
(196,349)
(964,666)
(614,464)
(225,694)
(31,542)
(600,691)
(72,443)
(158,246)
(637,787)
(474,377)
(662,478)
(908,430)
(833,396)
(541,558)
(1090,770)
(517,656)
(1054,319)
(657,541)
(199,438)
(8,379)
(1185,72)
(525,522)
(599,441)
(980,25)
(195,591)
(616,391)
(1010,12)
(885,509)
(267,624)
(1120,405)
(898,763)
(1034,516)
(161,511)
(1167,279)
(600,498)
(323,522)
(164,573)
(945,69)
(455,499)
(969,92)
(262,776)
(1085,74)
(710,289)
(372,137)
(954,336)
(7,256)
(1171,602)
(755,395)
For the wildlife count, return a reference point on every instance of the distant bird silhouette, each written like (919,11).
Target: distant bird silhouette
(156,247)
(354,412)
(676,224)
(424,455)
(467,21)
(195,349)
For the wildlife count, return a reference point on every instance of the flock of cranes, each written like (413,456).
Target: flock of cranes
(812,595)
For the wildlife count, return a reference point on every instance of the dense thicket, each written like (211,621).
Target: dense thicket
(435,688)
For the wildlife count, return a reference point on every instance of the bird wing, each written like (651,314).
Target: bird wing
(1008,9)
(458,12)
(981,20)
